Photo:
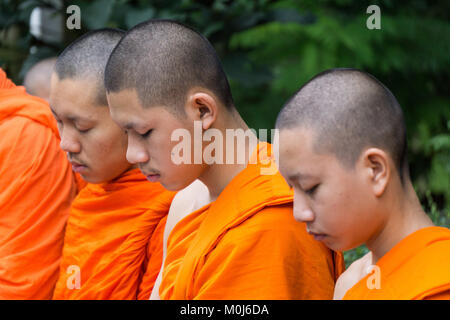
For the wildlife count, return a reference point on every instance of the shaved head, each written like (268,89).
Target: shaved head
(37,79)
(162,60)
(86,58)
(348,110)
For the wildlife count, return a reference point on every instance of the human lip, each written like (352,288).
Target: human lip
(77,167)
(317,236)
(154,177)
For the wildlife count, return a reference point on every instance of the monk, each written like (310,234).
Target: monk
(165,80)
(36,188)
(116,222)
(342,143)
(37,79)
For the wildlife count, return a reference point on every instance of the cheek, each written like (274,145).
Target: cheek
(353,217)
(109,147)
(112,144)
(334,208)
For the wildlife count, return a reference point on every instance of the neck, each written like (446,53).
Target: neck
(405,217)
(218,175)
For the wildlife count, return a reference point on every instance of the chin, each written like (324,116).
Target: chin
(331,246)
(334,245)
(86,178)
(347,247)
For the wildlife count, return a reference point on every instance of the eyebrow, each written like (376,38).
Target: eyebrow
(71,118)
(299,176)
(130,126)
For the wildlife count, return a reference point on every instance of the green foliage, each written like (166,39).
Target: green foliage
(410,54)
(351,255)
(270,48)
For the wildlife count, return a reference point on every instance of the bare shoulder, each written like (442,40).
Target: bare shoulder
(355,272)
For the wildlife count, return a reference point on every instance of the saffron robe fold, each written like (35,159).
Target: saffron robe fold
(247,245)
(153,261)
(107,237)
(36,188)
(418,267)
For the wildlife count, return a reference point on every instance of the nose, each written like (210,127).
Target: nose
(302,210)
(136,153)
(69,143)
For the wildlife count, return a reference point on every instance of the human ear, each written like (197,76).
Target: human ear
(377,165)
(202,107)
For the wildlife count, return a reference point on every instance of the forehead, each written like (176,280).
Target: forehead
(297,156)
(124,106)
(296,142)
(300,161)
(126,110)
(75,97)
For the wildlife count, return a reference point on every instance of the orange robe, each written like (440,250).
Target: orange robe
(247,245)
(107,237)
(36,188)
(418,267)
(153,261)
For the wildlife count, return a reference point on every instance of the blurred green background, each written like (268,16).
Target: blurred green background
(270,48)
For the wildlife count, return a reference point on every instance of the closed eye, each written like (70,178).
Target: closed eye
(312,190)
(145,135)
(84,131)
